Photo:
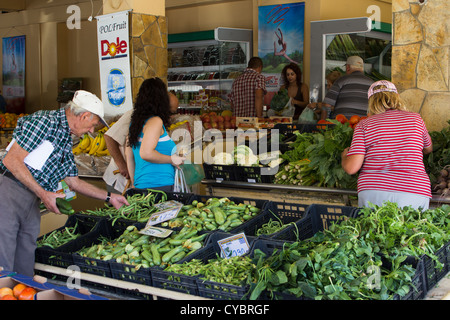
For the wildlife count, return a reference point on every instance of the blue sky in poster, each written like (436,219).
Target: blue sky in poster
(14,52)
(289,18)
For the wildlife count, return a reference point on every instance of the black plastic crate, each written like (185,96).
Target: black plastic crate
(269,246)
(220,172)
(433,273)
(317,218)
(59,257)
(91,265)
(254,174)
(211,289)
(277,211)
(211,250)
(418,289)
(287,129)
(130,273)
(174,281)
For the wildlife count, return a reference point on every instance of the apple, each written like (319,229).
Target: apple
(219,119)
(213,124)
(206,119)
(227,118)
(207,125)
(227,125)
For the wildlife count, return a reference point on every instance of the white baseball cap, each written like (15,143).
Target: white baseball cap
(355,61)
(91,103)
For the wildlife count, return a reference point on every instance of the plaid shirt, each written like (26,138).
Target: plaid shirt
(243,92)
(43,125)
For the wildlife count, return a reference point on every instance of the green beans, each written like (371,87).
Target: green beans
(140,208)
(59,237)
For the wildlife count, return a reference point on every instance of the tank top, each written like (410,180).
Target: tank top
(152,175)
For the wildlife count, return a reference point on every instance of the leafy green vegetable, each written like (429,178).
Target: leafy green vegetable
(340,263)
(279,100)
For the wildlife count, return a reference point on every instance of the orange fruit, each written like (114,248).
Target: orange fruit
(354,119)
(27,294)
(8,297)
(5,291)
(341,118)
(18,288)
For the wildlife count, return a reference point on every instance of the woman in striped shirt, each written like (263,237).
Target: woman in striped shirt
(387,149)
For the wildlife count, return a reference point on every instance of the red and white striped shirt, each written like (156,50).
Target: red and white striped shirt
(392,144)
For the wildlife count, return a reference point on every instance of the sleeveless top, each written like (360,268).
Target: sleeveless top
(152,175)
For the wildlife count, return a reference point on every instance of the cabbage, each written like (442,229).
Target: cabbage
(223,158)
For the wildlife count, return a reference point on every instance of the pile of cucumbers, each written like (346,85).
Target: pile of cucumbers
(213,214)
(146,251)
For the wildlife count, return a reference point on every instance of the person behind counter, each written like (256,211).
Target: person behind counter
(150,152)
(248,90)
(297,90)
(387,149)
(318,107)
(24,182)
(348,94)
(115,139)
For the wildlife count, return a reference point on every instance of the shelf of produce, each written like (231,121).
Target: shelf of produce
(125,285)
(215,187)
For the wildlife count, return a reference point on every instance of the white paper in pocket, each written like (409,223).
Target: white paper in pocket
(37,158)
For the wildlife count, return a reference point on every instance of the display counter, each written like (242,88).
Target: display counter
(295,194)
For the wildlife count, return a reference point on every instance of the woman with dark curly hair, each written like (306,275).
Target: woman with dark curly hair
(150,152)
(297,90)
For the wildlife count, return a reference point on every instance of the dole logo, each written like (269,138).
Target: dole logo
(112,49)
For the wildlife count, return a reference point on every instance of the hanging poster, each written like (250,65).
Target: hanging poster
(280,39)
(114,62)
(14,74)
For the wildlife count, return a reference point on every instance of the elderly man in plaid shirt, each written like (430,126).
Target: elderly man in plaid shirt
(247,92)
(38,158)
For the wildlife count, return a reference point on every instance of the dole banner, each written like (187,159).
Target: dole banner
(114,62)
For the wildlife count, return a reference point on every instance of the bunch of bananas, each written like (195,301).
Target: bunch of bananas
(92,146)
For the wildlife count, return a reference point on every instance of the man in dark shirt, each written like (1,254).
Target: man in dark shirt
(348,94)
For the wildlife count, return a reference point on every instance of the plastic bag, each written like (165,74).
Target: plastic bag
(193,173)
(287,111)
(180,184)
(307,116)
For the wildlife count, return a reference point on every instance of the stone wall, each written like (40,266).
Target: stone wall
(421,58)
(148,49)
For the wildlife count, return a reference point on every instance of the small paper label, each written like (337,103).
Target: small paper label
(156,232)
(236,245)
(166,211)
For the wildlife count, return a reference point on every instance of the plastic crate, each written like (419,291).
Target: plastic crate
(434,274)
(59,257)
(211,289)
(254,174)
(287,129)
(130,273)
(220,172)
(268,247)
(174,281)
(92,265)
(317,218)
(286,212)
(418,289)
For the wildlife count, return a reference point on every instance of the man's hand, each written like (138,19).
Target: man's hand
(49,200)
(118,200)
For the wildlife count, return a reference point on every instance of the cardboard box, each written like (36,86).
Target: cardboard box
(45,290)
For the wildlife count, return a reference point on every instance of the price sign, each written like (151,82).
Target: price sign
(166,211)
(156,232)
(236,245)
